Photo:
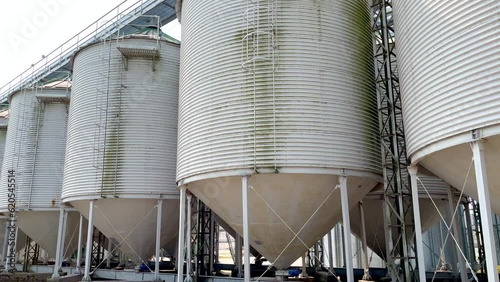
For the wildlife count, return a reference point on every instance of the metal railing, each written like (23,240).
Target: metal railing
(104,26)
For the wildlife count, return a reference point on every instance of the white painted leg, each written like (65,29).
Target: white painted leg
(418,224)
(462,271)
(485,209)
(59,244)
(158,239)
(347,228)
(182,232)
(79,253)
(330,250)
(246,233)
(189,277)
(364,247)
(88,246)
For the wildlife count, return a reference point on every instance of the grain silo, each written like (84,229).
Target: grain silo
(283,92)
(449,66)
(34,149)
(122,137)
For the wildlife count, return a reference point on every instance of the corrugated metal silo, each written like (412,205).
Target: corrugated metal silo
(449,64)
(282,91)
(122,138)
(35,145)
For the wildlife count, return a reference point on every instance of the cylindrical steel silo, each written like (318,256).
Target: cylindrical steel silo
(449,66)
(122,138)
(282,91)
(34,149)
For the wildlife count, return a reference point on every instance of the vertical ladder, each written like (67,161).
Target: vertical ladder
(102,96)
(260,61)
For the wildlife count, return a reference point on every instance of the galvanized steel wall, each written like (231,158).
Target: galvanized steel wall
(449,65)
(35,146)
(135,153)
(308,101)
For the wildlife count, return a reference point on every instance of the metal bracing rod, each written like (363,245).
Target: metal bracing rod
(485,208)
(88,246)
(364,247)
(158,239)
(79,253)
(59,244)
(347,228)
(418,227)
(189,217)
(462,271)
(182,233)
(246,233)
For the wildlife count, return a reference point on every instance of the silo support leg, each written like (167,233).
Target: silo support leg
(364,248)
(88,246)
(485,209)
(330,250)
(246,233)
(462,271)
(60,243)
(347,228)
(159,208)
(189,216)
(418,225)
(79,254)
(182,232)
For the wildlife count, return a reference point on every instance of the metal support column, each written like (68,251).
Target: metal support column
(189,254)
(88,246)
(182,233)
(364,247)
(485,208)
(237,254)
(462,271)
(158,239)
(108,257)
(79,253)
(60,243)
(330,250)
(347,228)
(246,233)
(418,227)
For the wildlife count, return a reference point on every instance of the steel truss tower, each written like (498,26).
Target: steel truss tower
(399,220)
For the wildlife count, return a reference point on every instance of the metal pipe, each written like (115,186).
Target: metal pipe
(364,247)
(182,222)
(485,209)
(237,254)
(79,254)
(418,224)
(59,246)
(462,271)
(88,246)
(347,228)
(108,257)
(304,266)
(470,236)
(246,233)
(188,240)
(159,208)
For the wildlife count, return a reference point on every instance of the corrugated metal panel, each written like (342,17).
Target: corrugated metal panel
(122,144)
(316,110)
(36,141)
(449,64)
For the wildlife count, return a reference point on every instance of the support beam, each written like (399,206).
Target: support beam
(88,246)
(79,253)
(485,208)
(462,271)
(189,217)
(418,224)
(60,243)
(347,228)
(330,250)
(364,247)
(237,254)
(246,233)
(159,208)
(182,232)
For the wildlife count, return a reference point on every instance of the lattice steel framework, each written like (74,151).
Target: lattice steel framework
(399,220)
(31,254)
(204,238)
(98,247)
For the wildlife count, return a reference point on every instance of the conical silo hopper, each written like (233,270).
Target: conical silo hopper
(35,145)
(373,206)
(122,138)
(283,92)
